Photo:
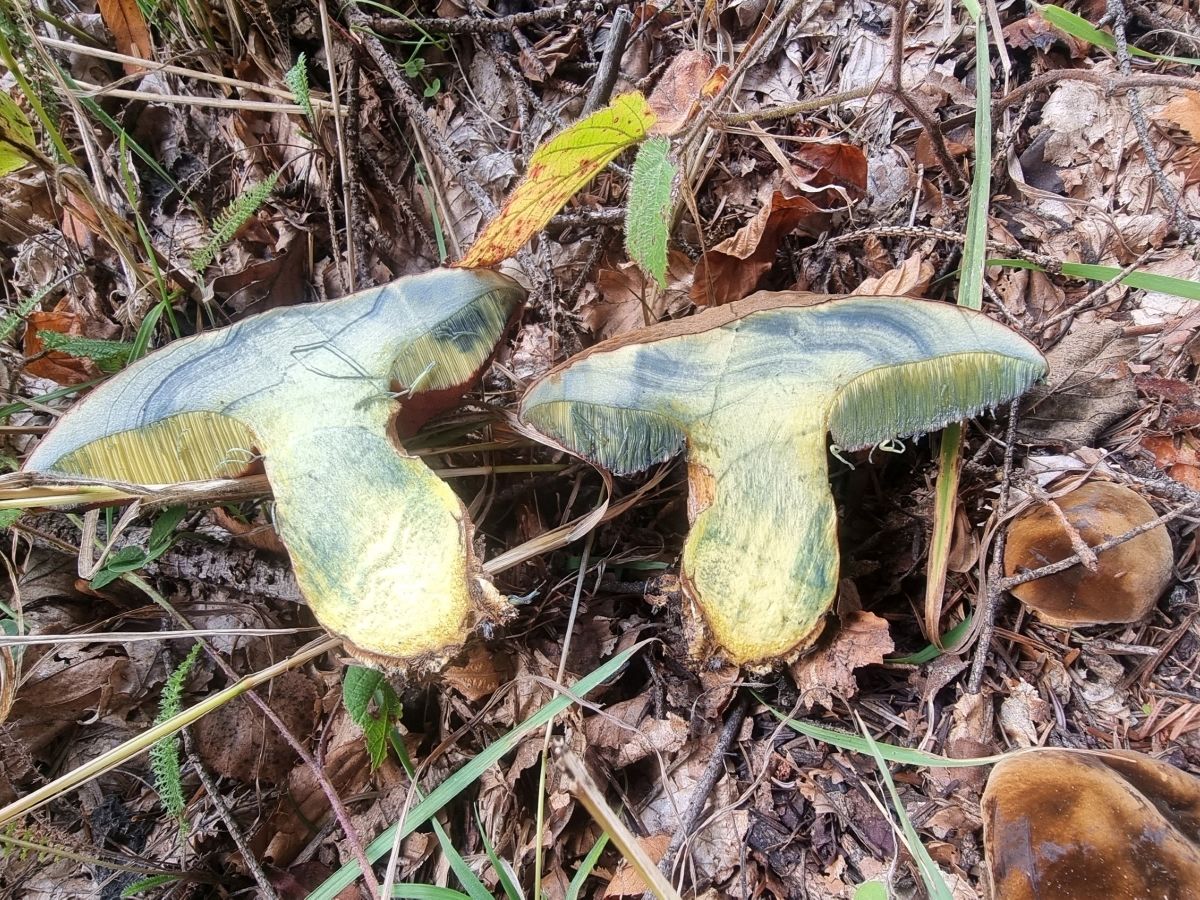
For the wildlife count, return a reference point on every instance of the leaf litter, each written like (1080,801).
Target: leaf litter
(845,196)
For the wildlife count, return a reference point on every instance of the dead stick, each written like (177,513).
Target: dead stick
(551,15)
(701,793)
(610,61)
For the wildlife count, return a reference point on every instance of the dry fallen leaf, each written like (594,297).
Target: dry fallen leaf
(624,299)
(54,364)
(910,279)
(128,26)
(1184,111)
(237,741)
(626,882)
(677,93)
(862,641)
(732,269)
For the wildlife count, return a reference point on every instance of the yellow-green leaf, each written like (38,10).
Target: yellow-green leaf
(15,133)
(558,169)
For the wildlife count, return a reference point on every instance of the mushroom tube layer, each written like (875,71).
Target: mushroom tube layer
(382,548)
(751,390)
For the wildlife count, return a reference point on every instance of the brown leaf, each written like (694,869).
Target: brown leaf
(56,365)
(626,882)
(483,673)
(677,93)
(239,742)
(625,299)
(128,26)
(910,279)
(627,735)
(863,640)
(833,164)
(732,269)
(1184,111)
(305,807)
(86,689)
(1178,456)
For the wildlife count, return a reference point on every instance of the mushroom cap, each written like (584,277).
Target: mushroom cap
(382,548)
(1129,578)
(752,390)
(1080,825)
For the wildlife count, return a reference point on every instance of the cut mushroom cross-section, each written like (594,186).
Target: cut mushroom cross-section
(751,390)
(382,548)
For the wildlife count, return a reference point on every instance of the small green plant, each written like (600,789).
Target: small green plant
(232,218)
(8,325)
(164,755)
(146,884)
(109,356)
(129,559)
(296,78)
(373,707)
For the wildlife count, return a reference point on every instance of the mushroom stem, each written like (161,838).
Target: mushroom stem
(766,493)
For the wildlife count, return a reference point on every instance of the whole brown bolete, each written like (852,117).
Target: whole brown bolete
(1129,577)
(1091,825)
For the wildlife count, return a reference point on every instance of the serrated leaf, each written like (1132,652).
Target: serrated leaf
(110,356)
(362,688)
(15,131)
(647,223)
(558,169)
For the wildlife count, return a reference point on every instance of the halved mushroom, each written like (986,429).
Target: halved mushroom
(1076,824)
(1129,577)
(381,547)
(752,389)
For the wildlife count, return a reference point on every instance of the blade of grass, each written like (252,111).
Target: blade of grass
(1146,281)
(504,873)
(931,651)
(584,872)
(931,875)
(906,756)
(1079,27)
(470,773)
(427,892)
(970,294)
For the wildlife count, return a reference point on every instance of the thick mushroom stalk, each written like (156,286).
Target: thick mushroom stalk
(381,547)
(752,389)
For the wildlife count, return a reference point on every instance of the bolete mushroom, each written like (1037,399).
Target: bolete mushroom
(381,547)
(751,389)
(1129,578)
(1078,825)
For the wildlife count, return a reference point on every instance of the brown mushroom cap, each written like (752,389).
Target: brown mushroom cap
(1129,578)
(1068,824)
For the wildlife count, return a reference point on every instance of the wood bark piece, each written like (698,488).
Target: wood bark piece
(751,390)
(381,548)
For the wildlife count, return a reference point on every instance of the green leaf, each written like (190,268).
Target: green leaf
(373,706)
(15,131)
(871,890)
(647,223)
(1079,27)
(1147,281)
(146,884)
(162,531)
(930,652)
(585,868)
(9,516)
(110,356)
(127,559)
(470,773)
(427,892)
(164,755)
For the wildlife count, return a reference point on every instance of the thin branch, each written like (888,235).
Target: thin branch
(550,15)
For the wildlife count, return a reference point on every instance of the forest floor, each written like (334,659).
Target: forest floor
(193,167)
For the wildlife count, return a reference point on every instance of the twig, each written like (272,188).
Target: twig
(702,791)
(986,614)
(1049,263)
(1187,231)
(610,61)
(265,888)
(787,110)
(1007,584)
(359,21)
(550,15)
(351,278)
(949,165)
(1093,295)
